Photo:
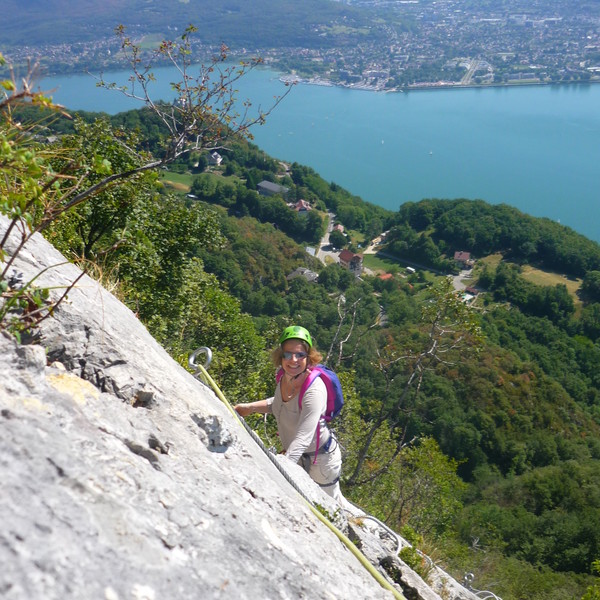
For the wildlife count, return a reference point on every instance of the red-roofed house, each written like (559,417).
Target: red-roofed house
(463,259)
(302,206)
(351,261)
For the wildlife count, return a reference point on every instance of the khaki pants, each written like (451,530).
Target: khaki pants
(326,471)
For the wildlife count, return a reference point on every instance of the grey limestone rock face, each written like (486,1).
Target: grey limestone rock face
(124,477)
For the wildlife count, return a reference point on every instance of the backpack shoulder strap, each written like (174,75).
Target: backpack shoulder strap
(312,375)
(279,375)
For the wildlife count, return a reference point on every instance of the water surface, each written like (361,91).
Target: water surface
(536,148)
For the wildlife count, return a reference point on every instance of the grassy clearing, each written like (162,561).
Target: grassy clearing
(536,276)
(383,264)
(377,263)
(547,278)
(356,236)
(345,30)
(178,187)
(151,41)
(180,182)
(492,261)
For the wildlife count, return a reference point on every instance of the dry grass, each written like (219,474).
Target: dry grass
(180,187)
(537,277)
(180,182)
(492,261)
(551,279)
(547,278)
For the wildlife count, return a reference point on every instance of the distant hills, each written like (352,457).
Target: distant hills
(238,23)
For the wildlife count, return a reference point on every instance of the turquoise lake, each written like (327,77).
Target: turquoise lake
(536,148)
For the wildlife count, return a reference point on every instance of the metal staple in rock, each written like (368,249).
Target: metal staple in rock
(202,375)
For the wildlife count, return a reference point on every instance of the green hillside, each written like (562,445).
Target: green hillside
(260,23)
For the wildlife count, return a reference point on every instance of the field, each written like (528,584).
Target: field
(378,263)
(492,261)
(538,277)
(180,182)
(551,279)
(152,41)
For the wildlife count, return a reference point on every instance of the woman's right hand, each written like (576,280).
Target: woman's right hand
(243,409)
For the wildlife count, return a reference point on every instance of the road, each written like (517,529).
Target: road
(322,254)
(457,280)
(466,80)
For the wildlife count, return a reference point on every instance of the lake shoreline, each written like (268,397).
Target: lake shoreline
(296,80)
(288,78)
(534,147)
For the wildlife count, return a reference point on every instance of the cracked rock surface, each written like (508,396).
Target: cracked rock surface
(123,477)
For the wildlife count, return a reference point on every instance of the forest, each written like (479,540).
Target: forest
(289,23)
(472,427)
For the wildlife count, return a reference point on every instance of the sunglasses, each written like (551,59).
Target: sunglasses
(290,355)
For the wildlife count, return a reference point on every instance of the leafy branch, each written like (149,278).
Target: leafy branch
(450,327)
(206,111)
(39,183)
(23,306)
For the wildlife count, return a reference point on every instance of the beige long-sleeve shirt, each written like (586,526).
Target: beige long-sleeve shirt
(298,428)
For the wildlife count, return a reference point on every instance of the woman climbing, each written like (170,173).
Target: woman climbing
(303,431)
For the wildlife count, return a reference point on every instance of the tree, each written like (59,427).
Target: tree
(590,320)
(330,277)
(26,184)
(43,183)
(590,286)
(337,239)
(199,166)
(448,325)
(593,592)
(314,227)
(201,313)
(427,492)
(206,112)
(88,229)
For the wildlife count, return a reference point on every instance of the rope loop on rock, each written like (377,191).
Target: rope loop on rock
(192,357)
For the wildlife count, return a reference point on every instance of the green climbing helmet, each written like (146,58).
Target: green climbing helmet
(297,333)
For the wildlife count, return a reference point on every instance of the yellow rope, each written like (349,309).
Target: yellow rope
(343,538)
(383,582)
